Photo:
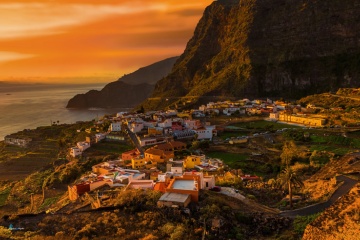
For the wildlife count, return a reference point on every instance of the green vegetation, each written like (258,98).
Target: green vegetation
(336,140)
(110,147)
(228,158)
(4,196)
(287,180)
(48,202)
(264,125)
(334,143)
(340,151)
(241,161)
(301,222)
(226,135)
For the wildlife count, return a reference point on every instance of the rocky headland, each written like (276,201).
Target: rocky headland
(128,91)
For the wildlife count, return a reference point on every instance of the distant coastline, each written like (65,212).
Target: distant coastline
(28,106)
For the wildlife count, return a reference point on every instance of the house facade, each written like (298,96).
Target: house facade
(115,127)
(21,142)
(192,161)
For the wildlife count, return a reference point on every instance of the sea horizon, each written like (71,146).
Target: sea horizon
(28,105)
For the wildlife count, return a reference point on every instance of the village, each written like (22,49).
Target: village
(187,162)
(161,160)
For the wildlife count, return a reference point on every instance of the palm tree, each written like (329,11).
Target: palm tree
(289,152)
(289,179)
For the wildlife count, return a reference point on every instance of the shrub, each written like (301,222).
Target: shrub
(5,232)
(300,223)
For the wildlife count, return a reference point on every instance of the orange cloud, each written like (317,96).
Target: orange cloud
(87,38)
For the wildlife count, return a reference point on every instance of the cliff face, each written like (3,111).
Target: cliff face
(254,48)
(129,91)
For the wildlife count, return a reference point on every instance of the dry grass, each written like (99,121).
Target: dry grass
(319,190)
(340,221)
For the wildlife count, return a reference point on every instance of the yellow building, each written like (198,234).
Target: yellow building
(137,163)
(311,121)
(155,131)
(141,163)
(192,161)
(158,155)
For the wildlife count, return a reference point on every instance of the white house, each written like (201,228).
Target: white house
(205,133)
(120,114)
(99,137)
(166,123)
(136,127)
(115,127)
(230,110)
(206,182)
(176,170)
(151,123)
(83,146)
(75,151)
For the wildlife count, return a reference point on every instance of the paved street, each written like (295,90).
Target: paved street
(134,139)
(231,192)
(316,208)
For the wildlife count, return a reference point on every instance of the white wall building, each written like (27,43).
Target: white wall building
(100,136)
(176,170)
(75,151)
(136,127)
(83,146)
(120,114)
(166,123)
(115,127)
(205,133)
(150,124)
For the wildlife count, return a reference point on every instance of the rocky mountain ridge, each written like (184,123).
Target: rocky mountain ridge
(128,91)
(279,48)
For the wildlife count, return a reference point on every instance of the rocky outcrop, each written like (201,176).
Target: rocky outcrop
(257,48)
(129,91)
(114,95)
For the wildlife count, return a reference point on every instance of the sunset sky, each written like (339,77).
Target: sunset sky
(91,40)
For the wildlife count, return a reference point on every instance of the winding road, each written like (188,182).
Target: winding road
(316,208)
(309,210)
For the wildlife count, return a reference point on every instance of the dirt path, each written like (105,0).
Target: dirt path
(254,205)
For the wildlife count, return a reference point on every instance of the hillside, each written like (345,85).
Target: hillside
(128,91)
(340,221)
(264,48)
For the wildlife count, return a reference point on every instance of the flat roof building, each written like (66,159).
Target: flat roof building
(170,199)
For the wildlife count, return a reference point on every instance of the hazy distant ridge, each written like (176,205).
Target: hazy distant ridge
(128,91)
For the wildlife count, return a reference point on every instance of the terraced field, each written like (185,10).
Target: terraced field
(26,161)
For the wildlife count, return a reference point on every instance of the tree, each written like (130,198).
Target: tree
(288,179)
(289,152)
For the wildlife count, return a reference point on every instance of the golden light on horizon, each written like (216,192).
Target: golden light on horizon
(91,39)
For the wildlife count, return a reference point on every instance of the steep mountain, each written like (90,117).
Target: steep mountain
(257,48)
(128,91)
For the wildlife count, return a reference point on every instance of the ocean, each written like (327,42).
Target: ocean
(27,106)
